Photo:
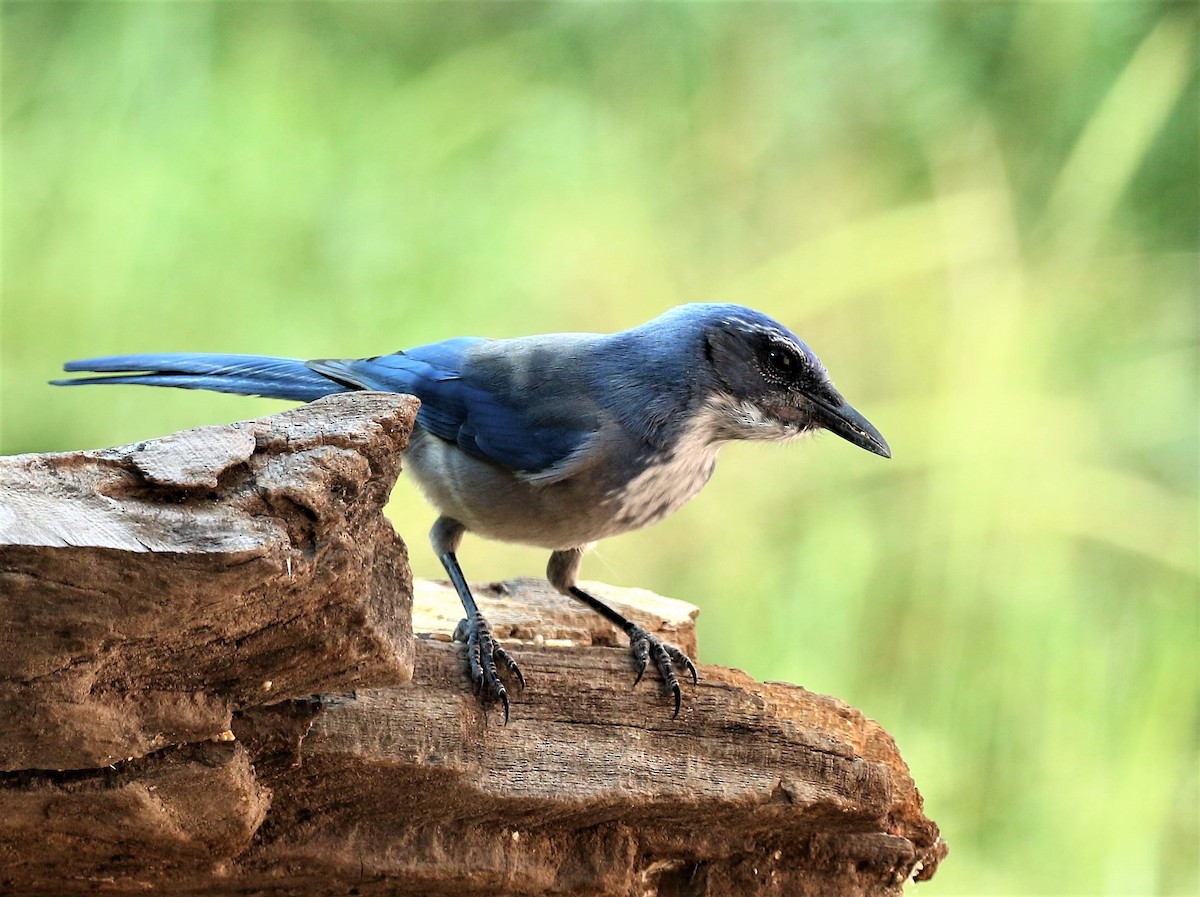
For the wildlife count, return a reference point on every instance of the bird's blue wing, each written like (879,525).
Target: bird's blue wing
(465,404)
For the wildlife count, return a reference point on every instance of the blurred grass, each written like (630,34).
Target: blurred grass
(983,216)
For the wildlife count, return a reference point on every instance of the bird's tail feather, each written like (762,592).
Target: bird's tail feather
(246,375)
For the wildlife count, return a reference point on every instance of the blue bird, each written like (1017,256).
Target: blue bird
(559,440)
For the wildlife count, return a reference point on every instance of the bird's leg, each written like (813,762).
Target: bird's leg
(483,651)
(563,571)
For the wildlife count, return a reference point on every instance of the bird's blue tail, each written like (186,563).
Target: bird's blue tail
(246,375)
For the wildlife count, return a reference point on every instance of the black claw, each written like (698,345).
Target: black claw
(504,700)
(680,658)
(641,653)
(483,651)
(644,646)
(509,664)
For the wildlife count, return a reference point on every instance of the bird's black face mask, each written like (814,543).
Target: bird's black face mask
(772,386)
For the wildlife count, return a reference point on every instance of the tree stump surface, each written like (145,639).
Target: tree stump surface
(220,678)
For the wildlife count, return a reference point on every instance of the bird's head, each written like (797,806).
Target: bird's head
(766,384)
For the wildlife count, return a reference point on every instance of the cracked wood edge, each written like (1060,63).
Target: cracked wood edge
(149,591)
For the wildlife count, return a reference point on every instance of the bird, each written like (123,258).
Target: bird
(558,440)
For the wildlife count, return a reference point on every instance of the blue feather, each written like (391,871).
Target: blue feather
(460,405)
(457,405)
(247,375)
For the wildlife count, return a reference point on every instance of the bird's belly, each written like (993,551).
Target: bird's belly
(598,502)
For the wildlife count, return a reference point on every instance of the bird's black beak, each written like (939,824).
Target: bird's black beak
(845,421)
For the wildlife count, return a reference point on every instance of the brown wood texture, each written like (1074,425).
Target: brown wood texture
(148,594)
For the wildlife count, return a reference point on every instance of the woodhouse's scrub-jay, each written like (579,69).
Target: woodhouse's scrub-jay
(559,440)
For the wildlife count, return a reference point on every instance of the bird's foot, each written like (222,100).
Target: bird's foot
(486,658)
(666,657)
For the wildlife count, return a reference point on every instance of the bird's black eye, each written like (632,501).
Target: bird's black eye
(782,361)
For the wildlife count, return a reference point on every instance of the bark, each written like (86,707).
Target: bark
(207,642)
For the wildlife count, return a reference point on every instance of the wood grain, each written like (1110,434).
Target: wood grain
(148,591)
(211,686)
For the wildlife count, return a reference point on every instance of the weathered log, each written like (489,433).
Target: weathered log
(147,592)
(593,787)
(349,788)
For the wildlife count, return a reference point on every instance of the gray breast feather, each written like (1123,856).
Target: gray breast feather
(668,482)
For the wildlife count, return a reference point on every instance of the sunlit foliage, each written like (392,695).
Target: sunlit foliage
(983,216)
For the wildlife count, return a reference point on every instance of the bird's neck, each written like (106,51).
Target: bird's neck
(650,383)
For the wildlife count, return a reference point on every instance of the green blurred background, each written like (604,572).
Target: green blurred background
(984,217)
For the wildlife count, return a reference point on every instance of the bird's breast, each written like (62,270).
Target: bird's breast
(667,481)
